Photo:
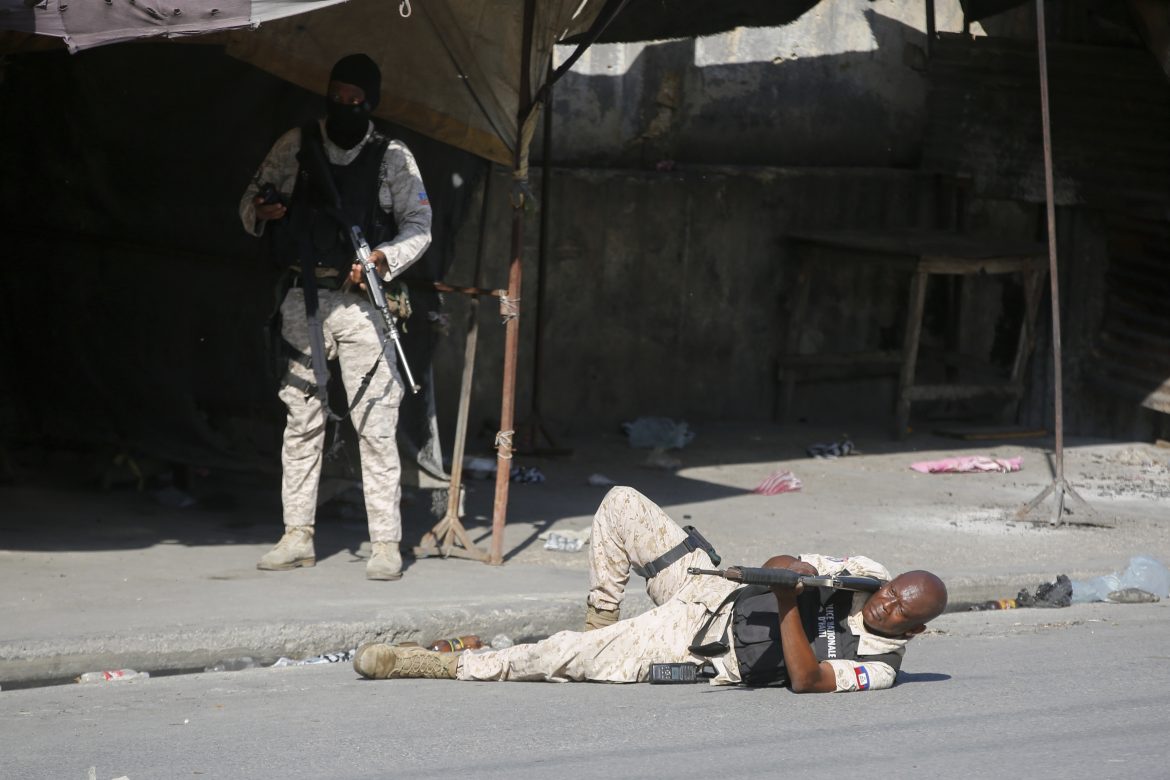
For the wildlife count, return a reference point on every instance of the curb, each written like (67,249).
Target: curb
(25,664)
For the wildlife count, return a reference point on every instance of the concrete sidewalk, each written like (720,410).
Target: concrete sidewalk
(96,580)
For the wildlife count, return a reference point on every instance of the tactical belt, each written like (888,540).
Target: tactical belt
(694,541)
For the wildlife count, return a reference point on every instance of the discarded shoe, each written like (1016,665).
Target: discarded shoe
(831,451)
(385,562)
(1131,596)
(1048,594)
(294,550)
(376,661)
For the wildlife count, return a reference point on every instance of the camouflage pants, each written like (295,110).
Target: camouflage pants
(352,329)
(627,527)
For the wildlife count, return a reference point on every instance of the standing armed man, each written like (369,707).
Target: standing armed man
(813,640)
(325,178)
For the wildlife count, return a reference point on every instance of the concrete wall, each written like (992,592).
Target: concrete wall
(842,85)
(668,293)
(679,168)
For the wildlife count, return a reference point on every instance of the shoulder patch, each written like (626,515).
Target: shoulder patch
(862,675)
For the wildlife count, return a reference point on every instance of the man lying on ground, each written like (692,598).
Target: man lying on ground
(812,640)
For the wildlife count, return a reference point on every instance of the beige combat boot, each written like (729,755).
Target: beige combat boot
(600,618)
(295,549)
(377,661)
(385,562)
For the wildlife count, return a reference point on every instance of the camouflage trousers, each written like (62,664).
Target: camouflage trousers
(353,333)
(628,527)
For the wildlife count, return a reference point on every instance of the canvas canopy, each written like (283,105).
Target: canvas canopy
(83,25)
(451,69)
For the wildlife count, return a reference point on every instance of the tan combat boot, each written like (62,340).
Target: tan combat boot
(385,562)
(600,618)
(295,549)
(377,661)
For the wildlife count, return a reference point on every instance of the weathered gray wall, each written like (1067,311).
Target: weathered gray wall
(842,85)
(667,293)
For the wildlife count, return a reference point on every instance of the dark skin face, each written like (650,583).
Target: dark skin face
(902,607)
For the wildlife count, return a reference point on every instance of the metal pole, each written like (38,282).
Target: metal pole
(1053,278)
(931,31)
(511,307)
(1059,485)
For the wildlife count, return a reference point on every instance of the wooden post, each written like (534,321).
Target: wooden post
(510,307)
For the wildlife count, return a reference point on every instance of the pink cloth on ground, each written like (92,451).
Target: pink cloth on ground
(778,482)
(967,464)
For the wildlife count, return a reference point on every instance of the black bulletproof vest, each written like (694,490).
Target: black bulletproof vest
(314,224)
(824,613)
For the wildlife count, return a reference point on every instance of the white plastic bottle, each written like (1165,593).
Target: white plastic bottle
(112,675)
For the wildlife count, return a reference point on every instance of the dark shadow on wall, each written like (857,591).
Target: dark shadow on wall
(121,173)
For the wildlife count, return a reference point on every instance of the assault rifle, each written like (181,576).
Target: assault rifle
(786,578)
(378,298)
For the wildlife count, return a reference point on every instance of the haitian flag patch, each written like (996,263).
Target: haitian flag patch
(422,199)
(862,675)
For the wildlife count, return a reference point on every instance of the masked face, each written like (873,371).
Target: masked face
(346,125)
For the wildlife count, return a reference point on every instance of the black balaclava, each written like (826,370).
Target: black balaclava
(346,125)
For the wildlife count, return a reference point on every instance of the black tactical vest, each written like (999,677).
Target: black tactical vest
(314,224)
(824,614)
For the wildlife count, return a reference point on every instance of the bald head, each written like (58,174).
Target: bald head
(925,594)
(904,605)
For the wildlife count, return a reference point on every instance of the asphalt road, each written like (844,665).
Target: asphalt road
(1071,693)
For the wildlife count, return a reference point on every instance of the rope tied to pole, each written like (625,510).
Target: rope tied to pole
(504,444)
(509,308)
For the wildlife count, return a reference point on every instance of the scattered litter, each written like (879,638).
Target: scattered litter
(112,675)
(485,468)
(1048,595)
(455,644)
(1143,573)
(658,432)
(479,468)
(1146,580)
(173,498)
(501,641)
(563,543)
(832,451)
(967,464)
(325,658)
(658,459)
(566,540)
(1131,596)
(600,480)
(232,665)
(526,474)
(778,482)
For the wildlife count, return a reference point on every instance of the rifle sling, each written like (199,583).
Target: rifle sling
(693,541)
